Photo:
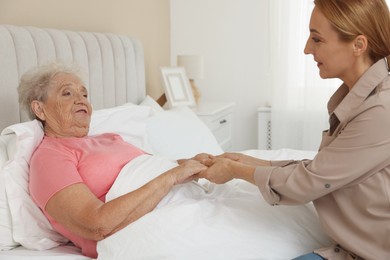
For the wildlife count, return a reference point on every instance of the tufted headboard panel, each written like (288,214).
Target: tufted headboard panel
(113,65)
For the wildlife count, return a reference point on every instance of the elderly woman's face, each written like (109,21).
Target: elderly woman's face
(66,112)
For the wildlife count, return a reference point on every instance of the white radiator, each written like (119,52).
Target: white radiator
(264,128)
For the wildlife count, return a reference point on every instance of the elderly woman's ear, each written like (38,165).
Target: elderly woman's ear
(37,108)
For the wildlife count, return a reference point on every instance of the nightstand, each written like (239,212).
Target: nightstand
(218,116)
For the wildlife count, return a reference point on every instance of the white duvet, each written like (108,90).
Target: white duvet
(229,221)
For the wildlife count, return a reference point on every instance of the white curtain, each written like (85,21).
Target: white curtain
(299,105)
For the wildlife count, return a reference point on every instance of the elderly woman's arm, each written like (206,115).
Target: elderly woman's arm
(78,210)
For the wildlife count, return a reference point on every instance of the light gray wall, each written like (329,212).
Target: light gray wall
(232,35)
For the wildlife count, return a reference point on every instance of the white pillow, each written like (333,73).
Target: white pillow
(178,133)
(150,102)
(6,240)
(128,120)
(30,227)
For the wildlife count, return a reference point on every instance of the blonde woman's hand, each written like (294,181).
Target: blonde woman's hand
(203,156)
(199,157)
(221,170)
(245,159)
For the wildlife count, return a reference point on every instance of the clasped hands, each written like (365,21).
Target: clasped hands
(227,166)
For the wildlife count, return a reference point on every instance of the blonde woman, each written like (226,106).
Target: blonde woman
(349,179)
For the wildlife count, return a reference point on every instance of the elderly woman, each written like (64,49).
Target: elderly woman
(349,179)
(71,172)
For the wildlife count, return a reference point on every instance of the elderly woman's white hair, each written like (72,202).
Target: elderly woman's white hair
(36,81)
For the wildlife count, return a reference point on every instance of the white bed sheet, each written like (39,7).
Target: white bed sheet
(229,221)
(66,252)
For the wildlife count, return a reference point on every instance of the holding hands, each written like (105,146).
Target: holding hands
(220,170)
(227,166)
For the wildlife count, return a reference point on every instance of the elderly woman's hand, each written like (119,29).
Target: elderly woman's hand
(187,171)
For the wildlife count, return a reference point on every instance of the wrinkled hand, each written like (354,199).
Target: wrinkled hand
(187,171)
(220,170)
(199,157)
(203,156)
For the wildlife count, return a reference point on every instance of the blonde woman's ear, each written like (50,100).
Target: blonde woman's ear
(360,45)
(37,108)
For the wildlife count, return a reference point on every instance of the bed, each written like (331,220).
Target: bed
(199,220)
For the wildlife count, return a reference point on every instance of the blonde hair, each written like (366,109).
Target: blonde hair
(352,18)
(35,83)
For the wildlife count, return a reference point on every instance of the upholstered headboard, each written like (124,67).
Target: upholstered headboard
(114,64)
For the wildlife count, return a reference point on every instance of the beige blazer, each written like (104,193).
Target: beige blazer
(349,179)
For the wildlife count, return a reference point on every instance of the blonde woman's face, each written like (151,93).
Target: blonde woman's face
(335,58)
(67,111)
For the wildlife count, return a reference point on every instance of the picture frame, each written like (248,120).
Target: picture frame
(177,87)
